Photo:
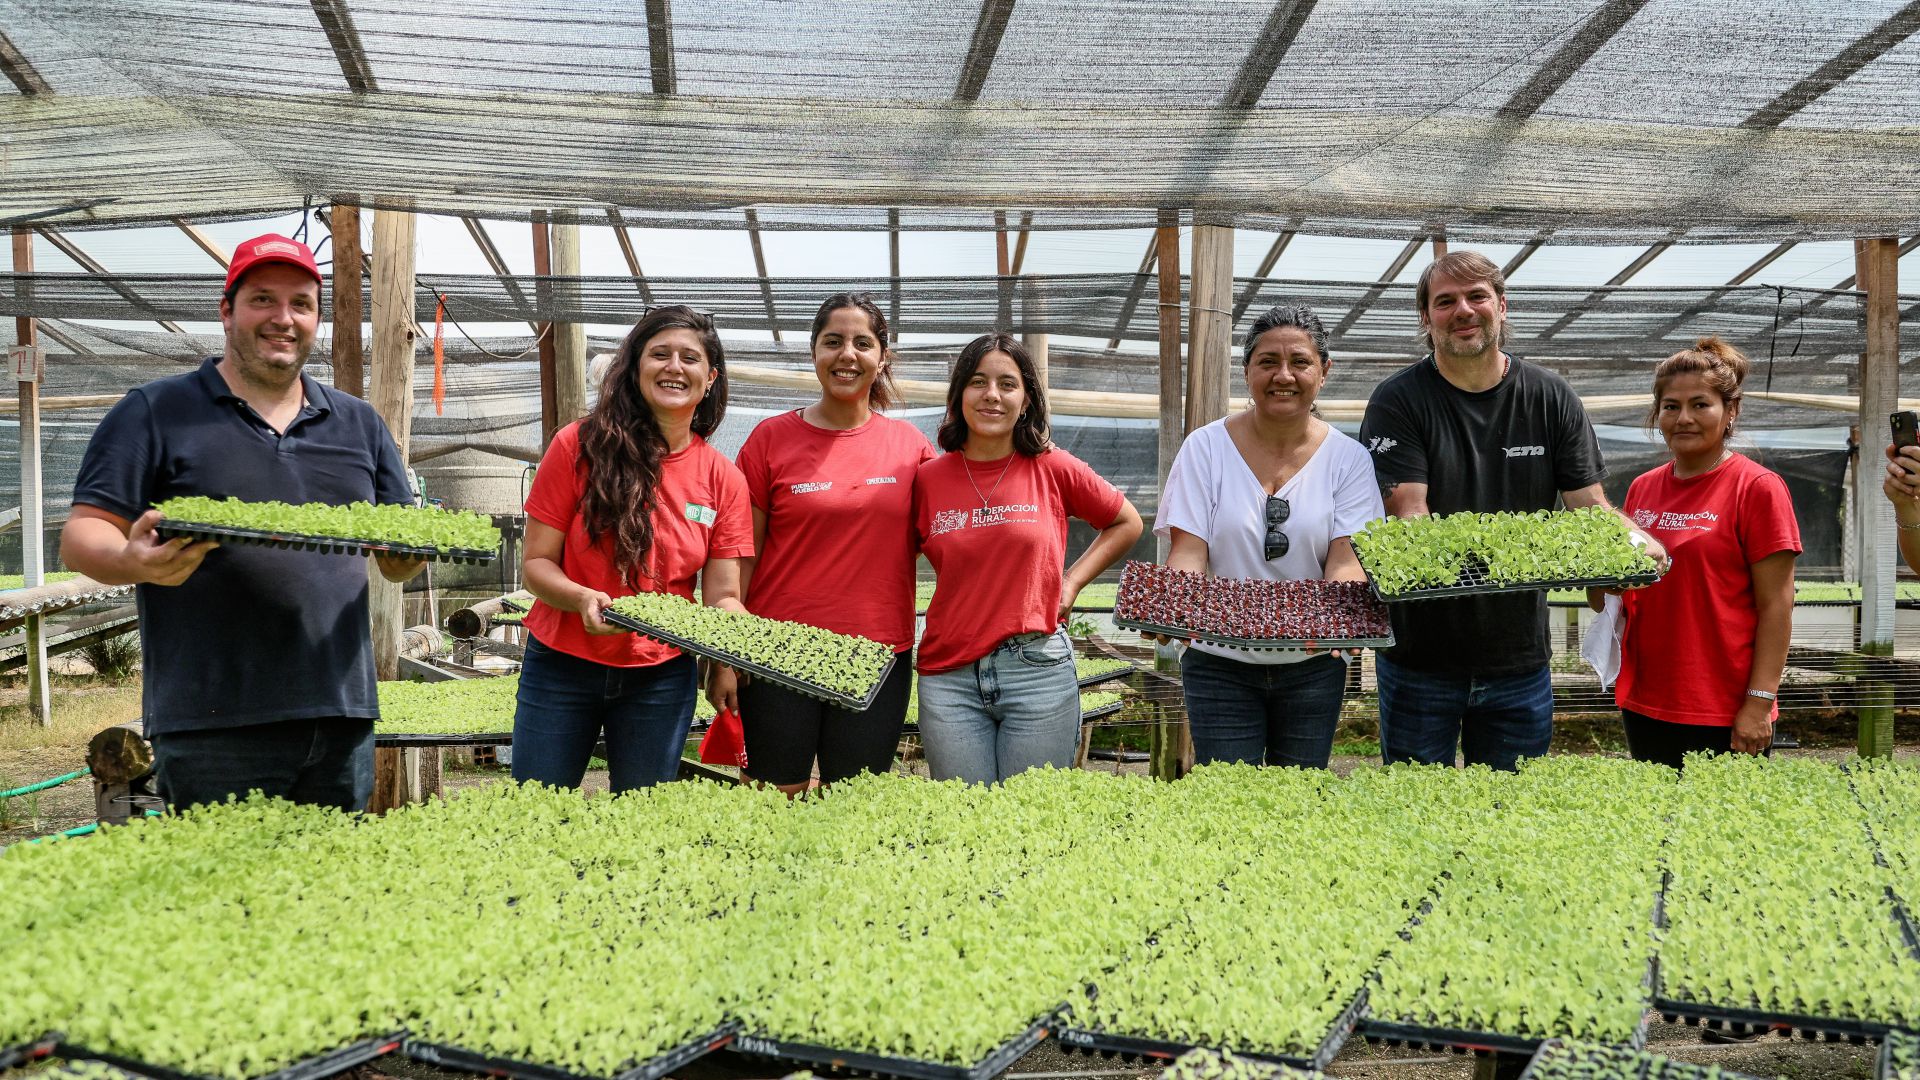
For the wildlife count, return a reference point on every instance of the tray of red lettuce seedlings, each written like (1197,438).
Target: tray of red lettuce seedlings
(1250,613)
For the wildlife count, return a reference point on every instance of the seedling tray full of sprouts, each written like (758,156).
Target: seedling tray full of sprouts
(1468,554)
(1250,613)
(837,668)
(457,536)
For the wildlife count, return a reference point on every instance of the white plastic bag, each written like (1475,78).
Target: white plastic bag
(1600,648)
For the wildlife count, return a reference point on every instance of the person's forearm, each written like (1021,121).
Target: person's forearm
(96,548)
(1906,512)
(546,581)
(1770,638)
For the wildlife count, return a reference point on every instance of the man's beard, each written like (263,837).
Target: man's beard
(1457,349)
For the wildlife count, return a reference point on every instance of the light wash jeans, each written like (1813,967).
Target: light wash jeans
(1014,709)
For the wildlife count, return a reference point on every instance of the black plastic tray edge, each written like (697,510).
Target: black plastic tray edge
(996,1062)
(325,544)
(318,1067)
(1701,1070)
(31,1050)
(422,739)
(1883,1061)
(1256,644)
(1088,1040)
(860,704)
(1101,713)
(1771,1021)
(1420,1034)
(1444,592)
(1112,676)
(454,1057)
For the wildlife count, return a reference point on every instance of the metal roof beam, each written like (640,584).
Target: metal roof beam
(337,20)
(1569,58)
(666,75)
(992,25)
(21,73)
(92,266)
(1870,47)
(1256,71)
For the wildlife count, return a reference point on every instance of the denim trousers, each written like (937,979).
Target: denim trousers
(1014,709)
(327,761)
(566,704)
(1494,721)
(1263,714)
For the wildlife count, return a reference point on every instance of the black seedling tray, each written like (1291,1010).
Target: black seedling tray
(1137,1048)
(1473,582)
(1883,1061)
(1392,1031)
(1256,644)
(995,1063)
(318,1067)
(24,1052)
(758,671)
(326,545)
(1743,1020)
(453,1057)
(1102,712)
(1547,1049)
(423,739)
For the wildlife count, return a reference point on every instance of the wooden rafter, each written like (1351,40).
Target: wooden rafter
(666,75)
(893,272)
(1870,47)
(1134,291)
(1256,71)
(92,266)
(1707,302)
(1378,288)
(987,32)
(1568,59)
(1020,245)
(497,264)
(206,243)
(337,20)
(1526,252)
(1267,264)
(19,72)
(1626,274)
(760,268)
(632,257)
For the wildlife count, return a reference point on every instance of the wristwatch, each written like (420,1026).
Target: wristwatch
(1764,695)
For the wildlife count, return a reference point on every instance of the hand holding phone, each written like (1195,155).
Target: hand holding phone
(1906,428)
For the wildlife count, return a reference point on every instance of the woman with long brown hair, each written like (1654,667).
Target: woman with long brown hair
(832,492)
(629,500)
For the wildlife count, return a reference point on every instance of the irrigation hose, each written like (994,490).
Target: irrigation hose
(44,784)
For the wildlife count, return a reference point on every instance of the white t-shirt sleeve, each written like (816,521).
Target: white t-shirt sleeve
(1356,492)
(1191,496)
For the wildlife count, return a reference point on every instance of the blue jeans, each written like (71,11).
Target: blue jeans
(1263,714)
(1495,721)
(566,703)
(320,762)
(1014,709)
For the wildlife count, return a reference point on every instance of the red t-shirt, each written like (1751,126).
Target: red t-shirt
(996,534)
(1687,648)
(700,513)
(838,551)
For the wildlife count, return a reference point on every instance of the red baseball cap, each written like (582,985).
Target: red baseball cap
(270,248)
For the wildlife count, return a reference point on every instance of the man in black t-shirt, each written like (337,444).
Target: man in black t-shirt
(257,662)
(1471,428)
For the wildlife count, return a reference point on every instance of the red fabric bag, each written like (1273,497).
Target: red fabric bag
(725,742)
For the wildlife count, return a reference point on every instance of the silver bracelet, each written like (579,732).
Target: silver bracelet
(1764,695)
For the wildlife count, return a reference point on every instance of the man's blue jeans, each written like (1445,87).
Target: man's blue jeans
(1014,709)
(321,762)
(1264,714)
(566,704)
(1494,721)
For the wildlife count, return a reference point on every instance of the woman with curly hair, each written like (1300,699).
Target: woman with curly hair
(631,499)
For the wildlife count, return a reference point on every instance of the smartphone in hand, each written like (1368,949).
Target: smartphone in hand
(1906,428)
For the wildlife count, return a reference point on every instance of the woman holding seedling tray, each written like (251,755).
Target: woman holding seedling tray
(1273,492)
(832,492)
(997,689)
(1702,650)
(630,499)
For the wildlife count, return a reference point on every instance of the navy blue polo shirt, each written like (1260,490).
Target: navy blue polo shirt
(257,634)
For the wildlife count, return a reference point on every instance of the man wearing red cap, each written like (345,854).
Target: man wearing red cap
(257,662)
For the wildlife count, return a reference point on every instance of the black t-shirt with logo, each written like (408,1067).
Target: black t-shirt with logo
(1515,447)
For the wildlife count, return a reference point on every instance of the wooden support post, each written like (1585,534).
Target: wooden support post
(396,779)
(1037,348)
(569,338)
(1878,261)
(893,273)
(1169,732)
(349,271)
(1210,323)
(1439,243)
(542,267)
(33,526)
(1003,270)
